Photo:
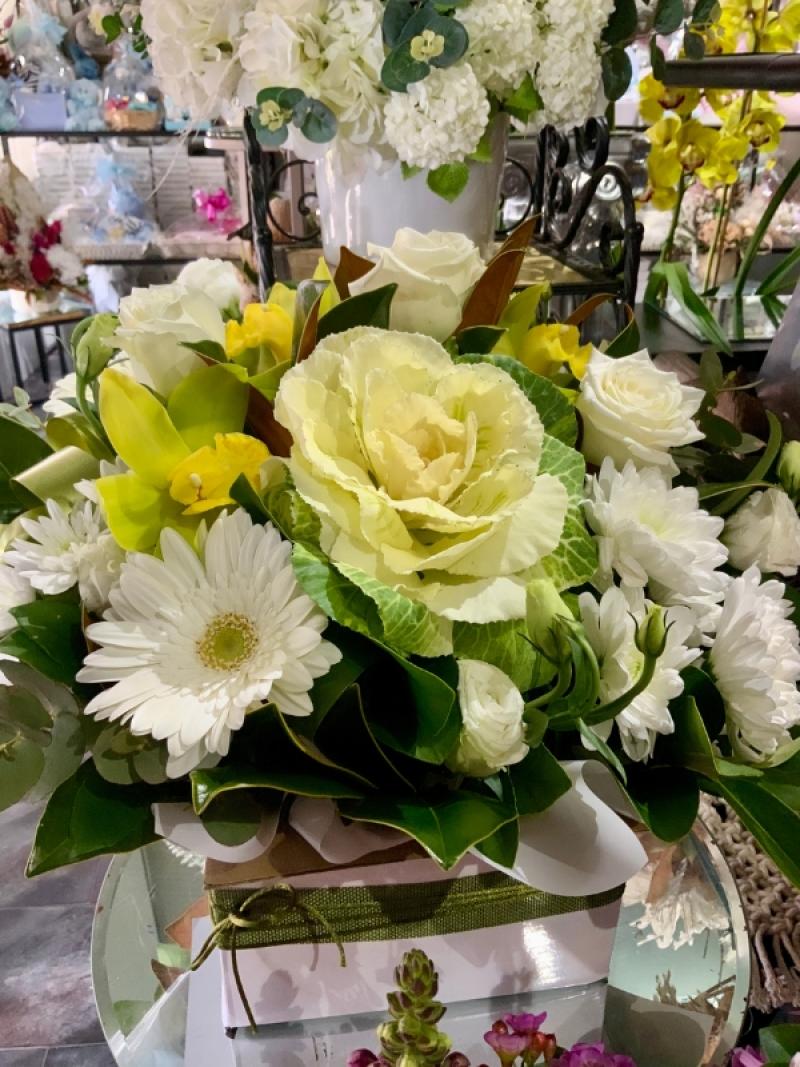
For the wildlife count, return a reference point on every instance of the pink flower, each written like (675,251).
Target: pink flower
(747,1057)
(591,1056)
(361,1058)
(507,1046)
(525,1023)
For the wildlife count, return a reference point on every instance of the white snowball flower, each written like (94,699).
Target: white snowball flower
(755,661)
(502,41)
(68,548)
(653,535)
(218,279)
(610,625)
(440,119)
(493,731)
(194,644)
(15,590)
(632,410)
(765,531)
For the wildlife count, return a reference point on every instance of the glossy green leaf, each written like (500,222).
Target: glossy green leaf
(233,818)
(20,448)
(676,276)
(206,402)
(212,350)
(447,827)
(595,742)
(524,101)
(538,780)
(502,846)
(505,646)
(400,70)
(780,1042)
(449,180)
(622,22)
(668,16)
(86,817)
(773,823)
(617,72)
(367,309)
(140,429)
(627,342)
(666,799)
(479,340)
(53,626)
(420,718)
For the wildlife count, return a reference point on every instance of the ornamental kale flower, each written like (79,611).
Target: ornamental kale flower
(592,1056)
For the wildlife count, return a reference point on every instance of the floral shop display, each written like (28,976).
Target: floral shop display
(402,103)
(344,592)
(35,261)
(131,100)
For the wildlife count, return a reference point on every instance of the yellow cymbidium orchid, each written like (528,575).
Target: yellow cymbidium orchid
(263,338)
(762,128)
(655,98)
(183,457)
(663,166)
(547,348)
(722,166)
(695,143)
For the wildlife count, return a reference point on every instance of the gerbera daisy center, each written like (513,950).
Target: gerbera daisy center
(228,642)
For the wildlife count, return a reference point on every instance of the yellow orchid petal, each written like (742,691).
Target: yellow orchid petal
(139,428)
(209,401)
(204,479)
(136,511)
(282,296)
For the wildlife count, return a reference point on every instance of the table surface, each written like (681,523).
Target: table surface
(676,996)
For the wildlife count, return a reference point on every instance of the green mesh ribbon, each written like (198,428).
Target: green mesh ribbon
(282,915)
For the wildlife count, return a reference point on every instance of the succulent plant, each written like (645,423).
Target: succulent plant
(412,1037)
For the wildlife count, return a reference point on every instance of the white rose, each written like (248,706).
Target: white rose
(632,410)
(435,273)
(493,731)
(155,323)
(765,531)
(217,278)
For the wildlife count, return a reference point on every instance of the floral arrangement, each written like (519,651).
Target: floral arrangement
(377,81)
(291,550)
(413,1038)
(33,255)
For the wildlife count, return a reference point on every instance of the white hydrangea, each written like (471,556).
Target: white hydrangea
(440,119)
(502,41)
(611,630)
(653,535)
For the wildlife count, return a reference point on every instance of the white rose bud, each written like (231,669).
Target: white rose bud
(493,731)
(765,531)
(217,278)
(435,272)
(631,410)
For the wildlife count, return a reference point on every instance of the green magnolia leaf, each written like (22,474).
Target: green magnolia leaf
(622,23)
(502,846)
(366,309)
(524,101)
(780,1042)
(627,342)
(773,823)
(505,646)
(538,780)
(357,656)
(479,340)
(555,411)
(575,560)
(20,448)
(668,16)
(265,755)
(449,181)
(48,638)
(447,828)
(666,799)
(233,819)
(408,626)
(86,817)
(206,402)
(617,72)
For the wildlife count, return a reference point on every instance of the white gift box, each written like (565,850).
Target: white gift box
(305,981)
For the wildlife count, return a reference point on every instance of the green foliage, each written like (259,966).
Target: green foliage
(402,24)
(622,23)
(48,638)
(367,309)
(575,560)
(20,448)
(617,72)
(676,277)
(449,181)
(277,108)
(668,16)
(124,759)
(524,101)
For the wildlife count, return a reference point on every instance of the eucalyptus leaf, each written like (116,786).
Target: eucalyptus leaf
(617,72)
(668,17)
(622,22)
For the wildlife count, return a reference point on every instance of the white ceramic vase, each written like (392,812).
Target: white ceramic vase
(374,209)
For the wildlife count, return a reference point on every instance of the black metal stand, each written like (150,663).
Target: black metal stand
(744,70)
(258,190)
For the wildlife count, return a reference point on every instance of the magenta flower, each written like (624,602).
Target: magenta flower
(747,1057)
(362,1057)
(591,1056)
(506,1046)
(525,1023)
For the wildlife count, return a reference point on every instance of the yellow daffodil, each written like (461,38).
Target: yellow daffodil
(547,348)
(202,481)
(722,166)
(183,456)
(762,128)
(655,98)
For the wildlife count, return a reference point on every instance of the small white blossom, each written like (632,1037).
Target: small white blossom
(502,41)
(765,531)
(755,661)
(441,119)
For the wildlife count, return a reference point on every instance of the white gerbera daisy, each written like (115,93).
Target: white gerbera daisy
(755,661)
(653,535)
(194,644)
(611,630)
(68,548)
(14,591)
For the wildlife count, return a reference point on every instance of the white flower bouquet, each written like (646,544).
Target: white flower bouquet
(34,257)
(377,81)
(297,552)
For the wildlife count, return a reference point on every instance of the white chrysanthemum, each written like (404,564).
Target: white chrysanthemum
(502,40)
(611,630)
(440,119)
(68,548)
(14,591)
(194,644)
(653,535)
(765,532)
(755,660)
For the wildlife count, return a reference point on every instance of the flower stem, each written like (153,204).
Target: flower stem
(717,250)
(667,247)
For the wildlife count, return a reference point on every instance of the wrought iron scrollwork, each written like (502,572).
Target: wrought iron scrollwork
(302,204)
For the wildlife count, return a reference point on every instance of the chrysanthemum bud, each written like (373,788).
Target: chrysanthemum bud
(545,609)
(789,468)
(651,634)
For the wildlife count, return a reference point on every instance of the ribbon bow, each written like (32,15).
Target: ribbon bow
(263,909)
(211,204)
